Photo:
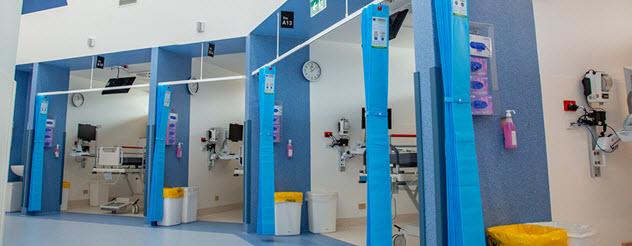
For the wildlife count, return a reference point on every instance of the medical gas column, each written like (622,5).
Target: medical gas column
(265,205)
(375,42)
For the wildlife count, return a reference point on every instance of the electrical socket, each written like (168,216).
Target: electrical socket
(362,206)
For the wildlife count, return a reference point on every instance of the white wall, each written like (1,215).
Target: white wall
(574,36)
(216,105)
(340,93)
(123,122)
(9,24)
(63,32)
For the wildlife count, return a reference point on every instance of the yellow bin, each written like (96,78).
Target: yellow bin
(287,213)
(526,235)
(65,194)
(172,206)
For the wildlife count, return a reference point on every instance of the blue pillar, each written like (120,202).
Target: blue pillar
(292,93)
(45,78)
(429,108)
(375,22)
(20,111)
(169,171)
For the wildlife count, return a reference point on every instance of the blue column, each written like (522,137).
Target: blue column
(20,111)
(292,93)
(375,22)
(45,78)
(429,108)
(166,170)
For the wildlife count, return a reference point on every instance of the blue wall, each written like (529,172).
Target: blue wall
(514,184)
(173,67)
(30,6)
(52,78)
(292,92)
(23,80)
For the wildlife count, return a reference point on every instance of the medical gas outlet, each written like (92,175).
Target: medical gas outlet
(341,143)
(216,144)
(602,138)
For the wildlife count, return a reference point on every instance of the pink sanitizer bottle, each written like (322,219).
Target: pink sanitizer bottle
(290,149)
(509,130)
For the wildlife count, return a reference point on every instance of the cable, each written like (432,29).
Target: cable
(595,142)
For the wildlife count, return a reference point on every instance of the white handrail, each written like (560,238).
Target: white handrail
(180,82)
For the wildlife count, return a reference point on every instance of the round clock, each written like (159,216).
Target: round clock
(193,88)
(311,71)
(77,100)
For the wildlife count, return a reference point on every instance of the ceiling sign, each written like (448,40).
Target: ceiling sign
(287,19)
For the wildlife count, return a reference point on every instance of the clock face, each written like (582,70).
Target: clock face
(193,88)
(311,71)
(77,100)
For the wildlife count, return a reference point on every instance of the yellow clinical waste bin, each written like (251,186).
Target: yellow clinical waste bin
(287,213)
(172,207)
(526,235)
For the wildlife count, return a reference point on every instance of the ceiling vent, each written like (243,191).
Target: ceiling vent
(127,2)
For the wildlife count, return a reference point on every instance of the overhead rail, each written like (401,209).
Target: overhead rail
(180,82)
(348,18)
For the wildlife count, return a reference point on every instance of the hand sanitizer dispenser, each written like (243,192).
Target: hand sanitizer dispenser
(509,130)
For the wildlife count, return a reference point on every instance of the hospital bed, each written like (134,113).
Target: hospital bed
(124,161)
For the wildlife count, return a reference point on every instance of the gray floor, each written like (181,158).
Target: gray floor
(83,229)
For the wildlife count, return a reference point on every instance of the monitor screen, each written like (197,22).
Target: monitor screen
(235,132)
(395,23)
(87,132)
(116,83)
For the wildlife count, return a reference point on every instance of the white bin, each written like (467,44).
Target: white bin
(287,213)
(190,204)
(99,192)
(65,192)
(172,208)
(321,208)
(13,197)
(578,235)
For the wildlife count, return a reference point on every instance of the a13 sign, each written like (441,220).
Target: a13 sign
(287,19)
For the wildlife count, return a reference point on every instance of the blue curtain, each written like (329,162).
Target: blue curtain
(465,213)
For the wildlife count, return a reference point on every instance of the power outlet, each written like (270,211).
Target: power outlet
(216,198)
(362,206)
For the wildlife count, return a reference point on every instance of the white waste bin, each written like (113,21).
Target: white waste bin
(321,208)
(172,207)
(65,192)
(287,213)
(13,197)
(99,192)
(578,235)
(190,204)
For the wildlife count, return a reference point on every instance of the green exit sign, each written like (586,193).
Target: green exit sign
(316,6)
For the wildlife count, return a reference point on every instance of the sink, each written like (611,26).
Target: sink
(18,170)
